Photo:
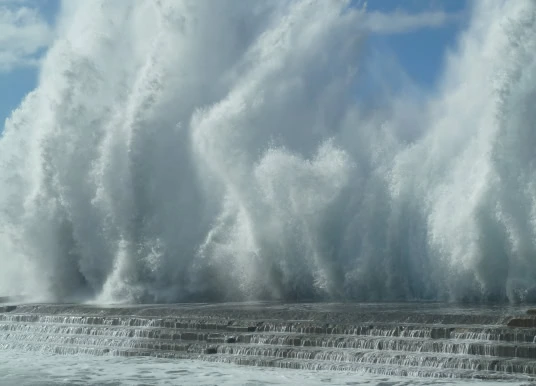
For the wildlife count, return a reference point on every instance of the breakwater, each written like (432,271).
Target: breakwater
(425,340)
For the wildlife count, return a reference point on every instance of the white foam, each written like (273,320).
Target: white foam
(179,150)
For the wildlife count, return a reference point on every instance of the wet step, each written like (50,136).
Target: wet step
(304,359)
(400,354)
(527,321)
(111,343)
(380,369)
(115,336)
(385,369)
(399,358)
(176,333)
(118,332)
(452,346)
(182,350)
(337,313)
(506,334)
(240,325)
(416,331)
(448,345)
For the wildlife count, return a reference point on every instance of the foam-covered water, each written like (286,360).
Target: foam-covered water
(36,369)
(181,150)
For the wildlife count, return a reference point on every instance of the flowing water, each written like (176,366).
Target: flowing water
(36,369)
(208,151)
(343,343)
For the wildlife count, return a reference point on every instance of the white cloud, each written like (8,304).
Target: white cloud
(23,34)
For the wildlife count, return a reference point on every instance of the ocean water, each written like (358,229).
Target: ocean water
(227,151)
(39,369)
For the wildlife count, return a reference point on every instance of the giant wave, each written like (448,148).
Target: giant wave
(195,150)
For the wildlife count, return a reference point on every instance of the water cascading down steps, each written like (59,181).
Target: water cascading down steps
(427,340)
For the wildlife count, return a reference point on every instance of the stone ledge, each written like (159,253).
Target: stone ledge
(7,308)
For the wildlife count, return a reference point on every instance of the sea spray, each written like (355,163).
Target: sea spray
(192,150)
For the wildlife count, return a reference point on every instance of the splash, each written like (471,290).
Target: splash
(195,150)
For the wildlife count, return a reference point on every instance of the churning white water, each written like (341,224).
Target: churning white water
(183,150)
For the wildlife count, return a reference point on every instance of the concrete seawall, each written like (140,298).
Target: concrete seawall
(428,340)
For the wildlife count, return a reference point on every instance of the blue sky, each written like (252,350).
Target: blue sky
(426,29)
(420,52)
(26,38)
